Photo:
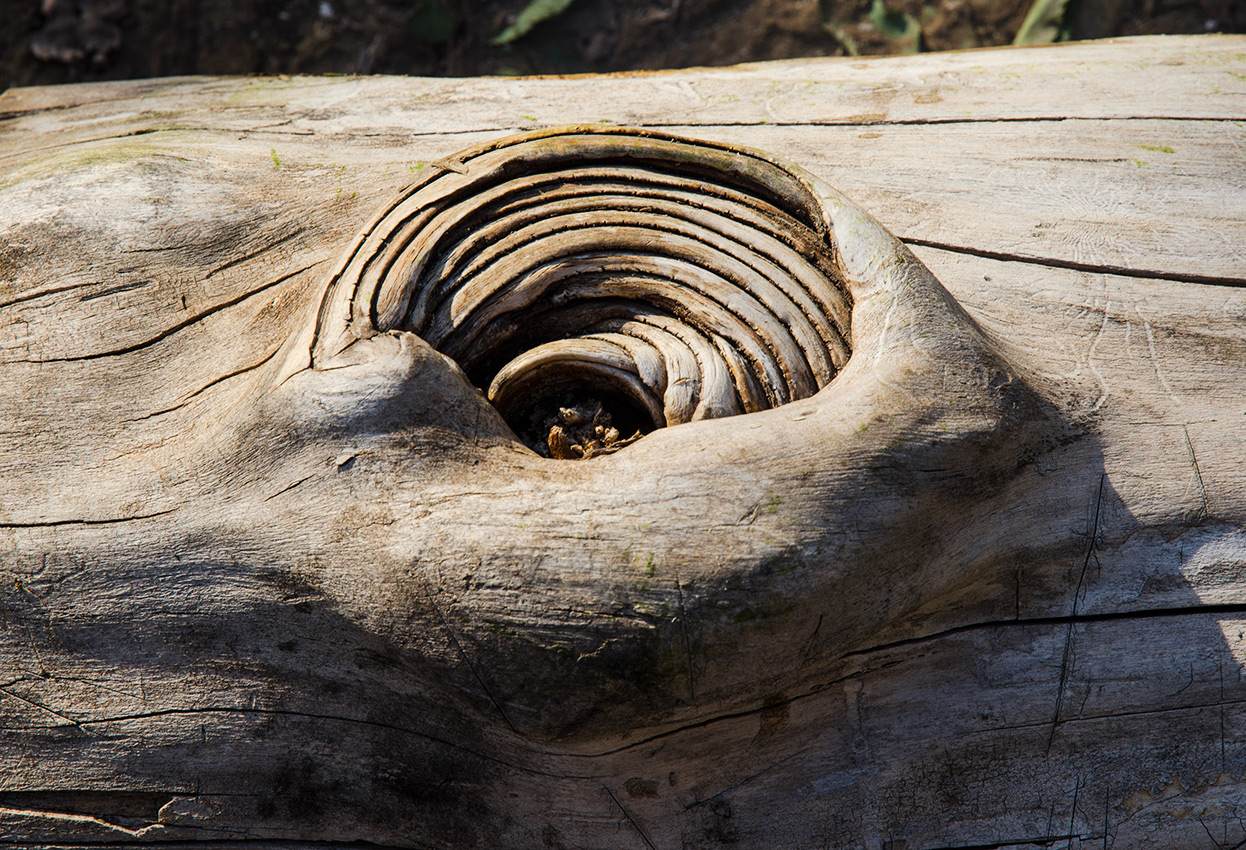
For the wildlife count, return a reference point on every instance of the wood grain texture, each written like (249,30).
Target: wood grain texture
(983,590)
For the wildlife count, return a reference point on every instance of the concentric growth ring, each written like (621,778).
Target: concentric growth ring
(662,280)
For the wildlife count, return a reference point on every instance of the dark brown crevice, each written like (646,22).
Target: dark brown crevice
(250,255)
(108,521)
(142,131)
(180,326)
(113,806)
(1074,265)
(733,786)
(631,820)
(41,293)
(1060,620)
(1036,841)
(289,487)
(332,718)
(1115,715)
(869,120)
(209,844)
(820,687)
(186,399)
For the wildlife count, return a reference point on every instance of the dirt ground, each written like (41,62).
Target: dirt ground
(60,41)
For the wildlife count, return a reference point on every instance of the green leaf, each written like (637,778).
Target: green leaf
(533,14)
(432,22)
(845,39)
(1043,24)
(899,27)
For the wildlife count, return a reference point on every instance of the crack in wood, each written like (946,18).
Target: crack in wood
(256,253)
(1041,841)
(866,121)
(186,398)
(115,810)
(1074,265)
(142,131)
(307,715)
(1205,510)
(180,326)
(232,842)
(871,121)
(41,293)
(289,487)
(497,704)
(747,779)
(630,819)
(107,521)
(116,290)
(1117,715)
(1068,637)
(683,622)
(1059,620)
(1077,790)
(41,707)
(66,818)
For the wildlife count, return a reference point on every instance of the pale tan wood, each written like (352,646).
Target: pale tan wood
(1176,77)
(269,603)
(1054,169)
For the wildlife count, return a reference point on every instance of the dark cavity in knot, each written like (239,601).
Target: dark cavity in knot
(599,283)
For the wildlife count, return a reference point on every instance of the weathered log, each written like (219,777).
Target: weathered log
(277,573)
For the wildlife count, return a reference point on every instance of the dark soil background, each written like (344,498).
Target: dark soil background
(61,41)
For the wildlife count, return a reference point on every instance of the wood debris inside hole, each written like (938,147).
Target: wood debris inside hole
(582,430)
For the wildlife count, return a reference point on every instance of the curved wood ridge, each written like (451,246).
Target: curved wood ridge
(686,279)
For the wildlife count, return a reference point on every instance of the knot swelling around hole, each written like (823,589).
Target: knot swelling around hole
(599,283)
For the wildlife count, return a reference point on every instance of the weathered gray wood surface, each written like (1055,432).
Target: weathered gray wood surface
(245,602)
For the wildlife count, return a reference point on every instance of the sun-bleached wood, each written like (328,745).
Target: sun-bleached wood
(986,589)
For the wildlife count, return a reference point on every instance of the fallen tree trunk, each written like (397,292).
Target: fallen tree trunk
(277,573)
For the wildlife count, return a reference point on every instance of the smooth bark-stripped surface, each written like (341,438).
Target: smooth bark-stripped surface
(984,589)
